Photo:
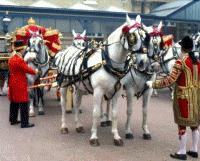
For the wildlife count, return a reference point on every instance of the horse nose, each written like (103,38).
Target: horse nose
(155,66)
(141,63)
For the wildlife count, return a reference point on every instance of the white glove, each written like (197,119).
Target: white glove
(30,56)
(149,84)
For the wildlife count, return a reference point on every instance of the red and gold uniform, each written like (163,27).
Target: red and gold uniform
(186,105)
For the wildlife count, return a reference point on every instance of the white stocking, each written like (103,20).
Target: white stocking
(182,146)
(195,140)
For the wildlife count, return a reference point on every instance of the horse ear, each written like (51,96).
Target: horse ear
(144,27)
(138,19)
(160,26)
(83,34)
(147,29)
(73,33)
(128,20)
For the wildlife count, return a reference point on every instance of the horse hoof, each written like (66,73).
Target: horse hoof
(109,123)
(80,130)
(103,124)
(64,130)
(41,113)
(154,95)
(129,136)
(147,136)
(31,114)
(118,142)
(69,111)
(94,142)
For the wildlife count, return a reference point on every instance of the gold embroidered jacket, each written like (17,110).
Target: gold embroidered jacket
(186,104)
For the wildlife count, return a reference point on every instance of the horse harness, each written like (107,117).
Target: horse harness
(85,72)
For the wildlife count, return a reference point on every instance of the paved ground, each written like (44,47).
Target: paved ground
(44,142)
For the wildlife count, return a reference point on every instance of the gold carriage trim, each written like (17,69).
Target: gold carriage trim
(20,32)
(56,46)
(51,32)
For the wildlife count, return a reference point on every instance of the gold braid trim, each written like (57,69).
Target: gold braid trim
(170,79)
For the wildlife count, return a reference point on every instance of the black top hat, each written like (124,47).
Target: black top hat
(186,43)
(19,45)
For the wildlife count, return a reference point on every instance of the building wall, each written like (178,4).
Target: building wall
(128,5)
(94,25)
(147,4)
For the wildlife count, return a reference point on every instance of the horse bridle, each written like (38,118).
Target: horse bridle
(132,39)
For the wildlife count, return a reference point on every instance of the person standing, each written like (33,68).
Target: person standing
(185,75)
(18,86)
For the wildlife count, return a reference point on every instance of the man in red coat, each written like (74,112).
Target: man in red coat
(186,104)
(18,86)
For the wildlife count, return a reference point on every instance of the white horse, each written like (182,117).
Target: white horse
(103,66)
(145,68)
(37,47)
(80,41)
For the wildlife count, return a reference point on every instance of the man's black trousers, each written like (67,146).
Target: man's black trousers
(14,108)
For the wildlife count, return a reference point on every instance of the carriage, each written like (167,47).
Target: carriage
(4,52)
(45,43)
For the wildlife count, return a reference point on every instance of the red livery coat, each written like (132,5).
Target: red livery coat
(18,85)
(186,105)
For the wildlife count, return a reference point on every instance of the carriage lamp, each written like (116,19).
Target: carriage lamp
(6,21)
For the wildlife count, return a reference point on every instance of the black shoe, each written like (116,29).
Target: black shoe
(179,156)
(27,126)
(15,123)
(192,154)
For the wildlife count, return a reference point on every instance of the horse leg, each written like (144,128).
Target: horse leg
(77,102)
(172,92)
(155,93)
(106,117)
(40,103)
(145,103)
(64,129)
(31,106)
(97,96)
(130,95)
(117,139)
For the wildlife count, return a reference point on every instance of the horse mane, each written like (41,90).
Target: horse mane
(113,37)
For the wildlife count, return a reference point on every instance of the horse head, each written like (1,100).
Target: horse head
(79,40)
(155,45)
(132,34)
(35,42)
(196,47)
(36,45)
(141,62)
